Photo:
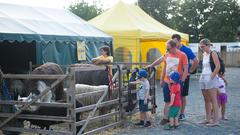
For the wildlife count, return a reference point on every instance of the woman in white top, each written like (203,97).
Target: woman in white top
(209,83)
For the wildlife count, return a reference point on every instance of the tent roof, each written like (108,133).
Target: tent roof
(24,23)
(131,21)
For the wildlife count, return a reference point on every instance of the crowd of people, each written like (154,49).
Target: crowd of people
(179,62)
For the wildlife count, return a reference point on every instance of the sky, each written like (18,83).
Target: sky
(63,3)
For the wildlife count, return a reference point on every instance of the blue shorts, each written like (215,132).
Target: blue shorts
(142,106)
(185,87)
(166,92)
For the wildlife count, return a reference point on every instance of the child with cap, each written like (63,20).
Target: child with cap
(143,96)
(175,102)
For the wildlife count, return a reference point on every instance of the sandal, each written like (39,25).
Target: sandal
(176,126)
(212,124)
(168,127)
(205,122)
(224,118)
(164,121)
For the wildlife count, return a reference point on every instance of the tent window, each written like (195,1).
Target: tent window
(15,56)
(153,54)
(123,54)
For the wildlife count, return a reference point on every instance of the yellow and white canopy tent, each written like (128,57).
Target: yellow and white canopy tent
(137,37)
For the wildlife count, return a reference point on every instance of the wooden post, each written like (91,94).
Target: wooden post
(71,99)
(129,90)
(120,92)
(154,92)
(30,67)
(116,75)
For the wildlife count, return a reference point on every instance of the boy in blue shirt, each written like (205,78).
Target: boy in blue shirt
(143,96)
(192,65)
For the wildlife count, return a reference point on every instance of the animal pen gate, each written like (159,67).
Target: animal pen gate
(123,99)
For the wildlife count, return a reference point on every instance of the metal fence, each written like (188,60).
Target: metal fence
(116,113)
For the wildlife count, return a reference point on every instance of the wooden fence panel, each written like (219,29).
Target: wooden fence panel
(118,110)
(233,58)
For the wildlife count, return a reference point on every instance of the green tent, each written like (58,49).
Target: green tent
(44,35)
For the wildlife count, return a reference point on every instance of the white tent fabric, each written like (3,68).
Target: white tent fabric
(19,19)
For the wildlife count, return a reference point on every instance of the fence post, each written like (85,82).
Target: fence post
(129,90)
(154,92)
(120,92)
(71,100)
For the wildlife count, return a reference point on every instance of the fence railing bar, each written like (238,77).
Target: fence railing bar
(88,68)
(86,94)
(103,128)
(39,131)
(94,119)
(90,107)
(37,117)
(132,112)
(32,76)
(52,104)
(132,92)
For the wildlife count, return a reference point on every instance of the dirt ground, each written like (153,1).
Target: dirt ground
(195,112)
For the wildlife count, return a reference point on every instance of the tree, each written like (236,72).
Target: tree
(214,19)
(161,10)
(217,20)
(223,23)
(182,15)
(193,15)
(84,10)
